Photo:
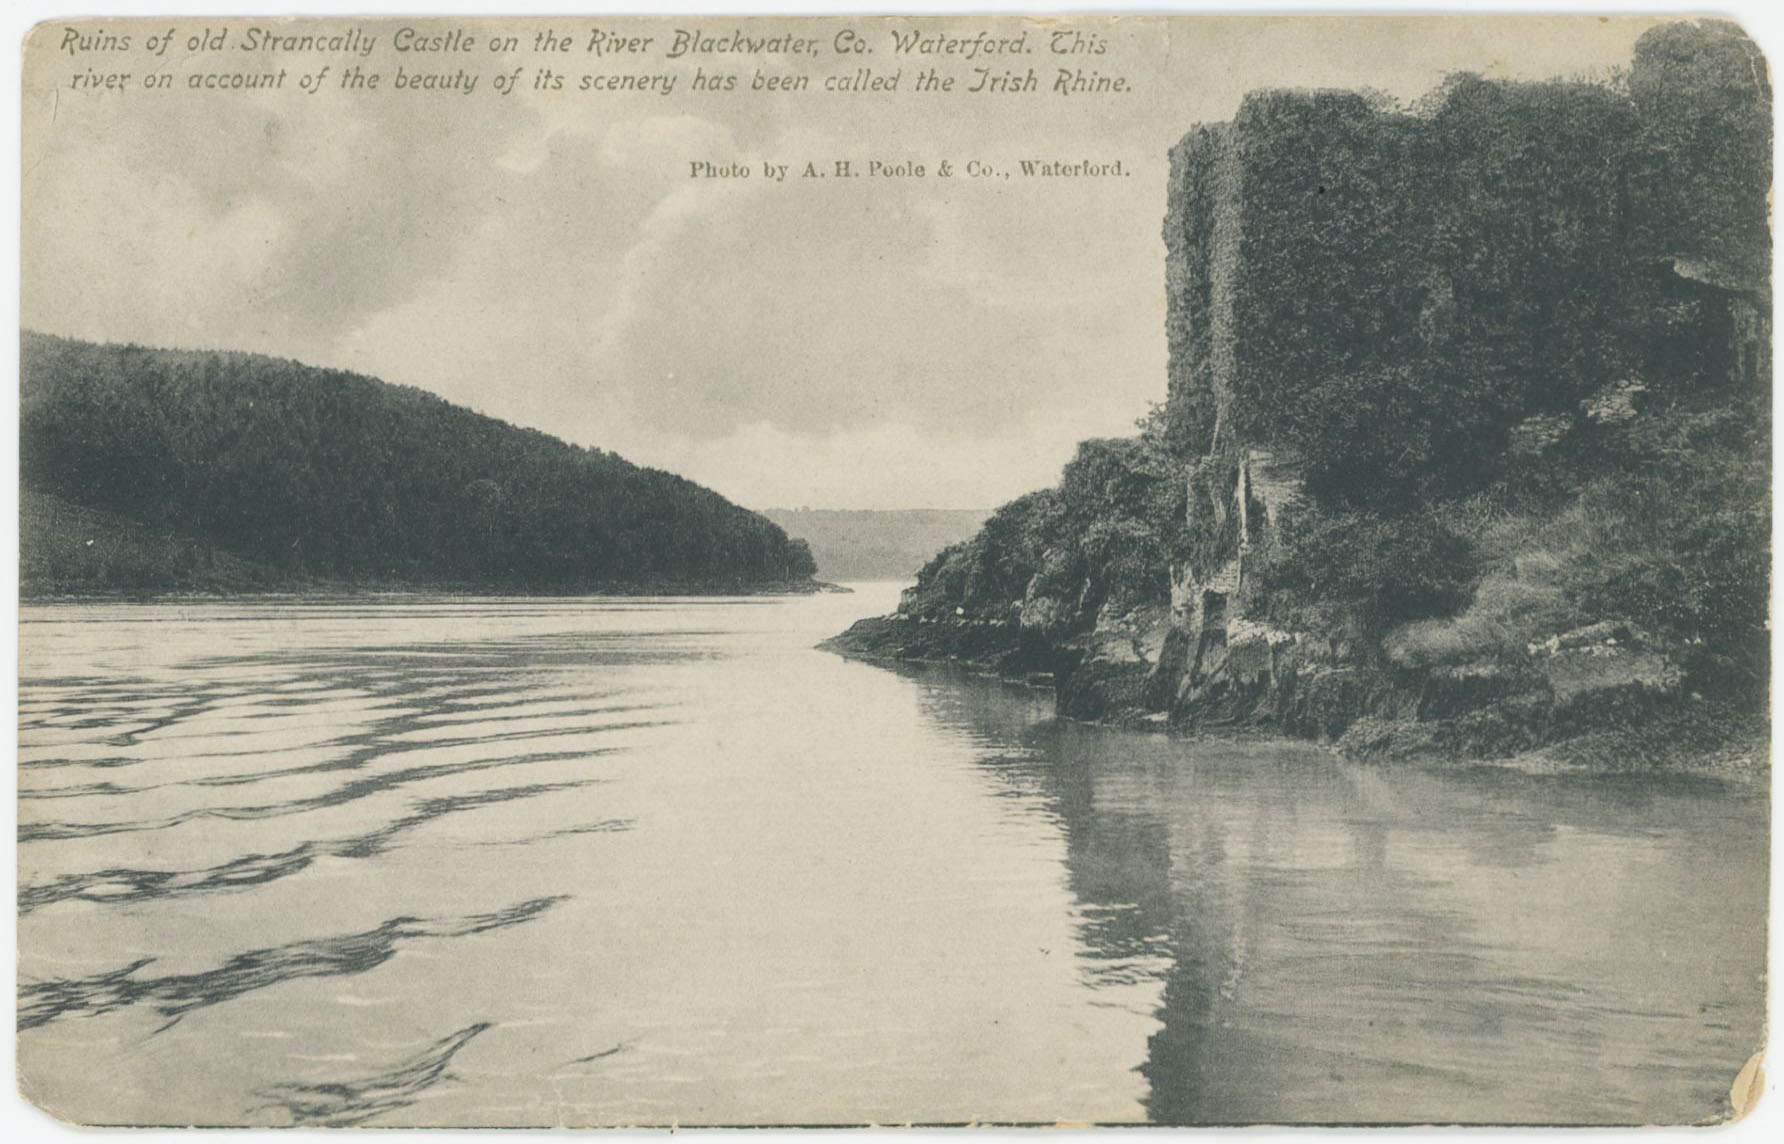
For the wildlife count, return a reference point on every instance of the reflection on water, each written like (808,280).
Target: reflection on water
(1345,943)
(411,861)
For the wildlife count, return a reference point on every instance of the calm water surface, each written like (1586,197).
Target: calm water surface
(416,861)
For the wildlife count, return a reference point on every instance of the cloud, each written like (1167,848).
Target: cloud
(266,224)
(738,306)
(138,277)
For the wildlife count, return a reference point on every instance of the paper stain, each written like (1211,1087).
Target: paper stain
(1748,1085)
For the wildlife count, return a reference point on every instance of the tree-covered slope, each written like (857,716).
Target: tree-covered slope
(322,474)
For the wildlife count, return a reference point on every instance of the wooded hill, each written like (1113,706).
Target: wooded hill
(206,464)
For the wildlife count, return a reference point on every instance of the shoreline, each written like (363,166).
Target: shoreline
(1660,746)
(344,591)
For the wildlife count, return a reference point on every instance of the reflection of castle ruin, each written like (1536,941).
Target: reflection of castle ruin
(1339,942)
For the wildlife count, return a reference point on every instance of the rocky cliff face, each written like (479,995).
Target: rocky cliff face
(1426,367)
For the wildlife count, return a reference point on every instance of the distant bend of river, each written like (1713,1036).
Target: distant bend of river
(422,861)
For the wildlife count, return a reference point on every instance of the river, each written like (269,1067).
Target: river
(408,861)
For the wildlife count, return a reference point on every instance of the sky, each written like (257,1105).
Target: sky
(546,258)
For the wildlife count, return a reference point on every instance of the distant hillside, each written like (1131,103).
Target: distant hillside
(858,544)
(221,470)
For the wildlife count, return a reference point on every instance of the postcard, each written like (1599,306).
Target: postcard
(894,570)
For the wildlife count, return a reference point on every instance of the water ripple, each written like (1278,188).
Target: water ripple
(174,995)
(345,1103)
(347,792)
(132,885)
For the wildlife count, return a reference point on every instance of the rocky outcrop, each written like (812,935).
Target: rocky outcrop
(1001,647)
(1381,505)
(1108,672)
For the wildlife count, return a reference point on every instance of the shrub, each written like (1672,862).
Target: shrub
(1386,569)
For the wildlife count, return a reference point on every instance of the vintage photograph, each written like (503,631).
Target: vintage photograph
(1157,569)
